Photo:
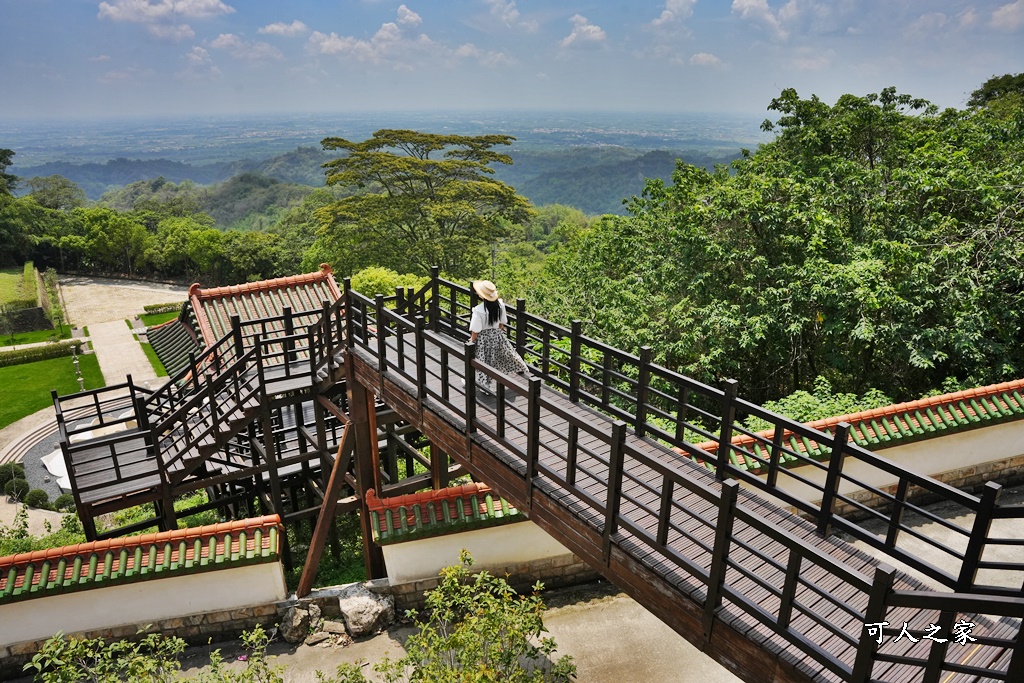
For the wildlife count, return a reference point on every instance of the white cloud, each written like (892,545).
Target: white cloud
(676,11)
(926,25)
(967,18)
(406,17)
(759,12)
(583,32)
(100,58)
(174,32)
(705,59)
(198,65)
(1009,17)
(149,11)
(242,49)
(282,29)
(807,59)
(507,12)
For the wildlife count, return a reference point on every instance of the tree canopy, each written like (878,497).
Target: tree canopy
(422,200)
(996,88)
(875,242)
(7,181)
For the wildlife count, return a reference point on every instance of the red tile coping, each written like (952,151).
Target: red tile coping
(324,274)
(177,535)
(410,499)
(854,419)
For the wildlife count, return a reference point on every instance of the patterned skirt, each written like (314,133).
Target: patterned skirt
(494,348)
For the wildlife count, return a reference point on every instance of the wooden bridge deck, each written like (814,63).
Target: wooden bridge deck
(671,578)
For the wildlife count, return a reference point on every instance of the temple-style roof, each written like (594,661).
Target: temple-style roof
(434,513)
(151,556)
(901,423)
(206,315)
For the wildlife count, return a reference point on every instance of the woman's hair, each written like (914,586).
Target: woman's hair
(493,311)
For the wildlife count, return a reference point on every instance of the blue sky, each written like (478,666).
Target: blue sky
(72,59)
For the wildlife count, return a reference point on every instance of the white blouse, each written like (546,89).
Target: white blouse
(478,322)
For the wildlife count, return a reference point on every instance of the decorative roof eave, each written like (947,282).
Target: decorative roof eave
(135,558)
(907,422)
(437,513)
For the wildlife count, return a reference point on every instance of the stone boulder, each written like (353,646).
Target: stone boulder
(364,611)
(299,621)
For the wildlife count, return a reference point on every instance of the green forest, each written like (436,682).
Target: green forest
(872,247)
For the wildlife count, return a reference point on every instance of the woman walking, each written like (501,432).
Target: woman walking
(486,329)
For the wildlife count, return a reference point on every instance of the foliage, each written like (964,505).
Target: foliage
(65,502)
(17,539)
(335,568)
(477,629)
(11,470)
(38,498)
(821,402)
(257,666)
(27,385)
(171,307)
(997,88)
(424,200)
(153,659)
(56,192)
(16,490)
(376,280)
(7,181)
(876,242)
(153,319)
(37,353)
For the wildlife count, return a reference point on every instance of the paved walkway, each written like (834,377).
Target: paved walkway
(120,354)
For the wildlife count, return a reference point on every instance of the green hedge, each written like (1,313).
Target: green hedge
(163,308)
(39,353)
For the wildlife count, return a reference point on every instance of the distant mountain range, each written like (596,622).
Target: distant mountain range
(592,179)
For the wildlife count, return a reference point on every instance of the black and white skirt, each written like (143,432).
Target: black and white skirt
(494,348)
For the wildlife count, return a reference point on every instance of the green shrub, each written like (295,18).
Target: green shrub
(35,353)
(65,502)
(163,308)
(37,498)
(11,470)
(16,489)
(376,280)
(154,659)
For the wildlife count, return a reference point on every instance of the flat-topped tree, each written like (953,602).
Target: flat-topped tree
(422,199)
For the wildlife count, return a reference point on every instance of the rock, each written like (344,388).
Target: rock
(365,612)
(333,627)
(315,616)
(295,624)
(316,638)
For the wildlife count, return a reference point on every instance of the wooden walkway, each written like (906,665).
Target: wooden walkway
(797,600)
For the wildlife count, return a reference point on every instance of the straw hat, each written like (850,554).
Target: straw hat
(486,290)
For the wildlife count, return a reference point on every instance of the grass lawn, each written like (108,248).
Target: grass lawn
(161,371)
(10,284)
(27,386)
(33,337)
(151,319)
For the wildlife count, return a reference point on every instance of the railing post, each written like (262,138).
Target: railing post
(421,361)
(382,332)
(832,480)
(875,614)
(725,436)
(289,330)
(325,324)
(350,339)
(720,556)
(470,379)
(616,458)
(574,360)
(979,537)
(236,331)
(532,434)
(520,326)
(643,379)
(435,298)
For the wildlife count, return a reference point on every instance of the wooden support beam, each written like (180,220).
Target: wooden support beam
(367,466)
(326,516)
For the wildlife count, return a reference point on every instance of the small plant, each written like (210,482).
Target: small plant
(257,667)
(37,498)
(11,470)
(154,659)
(16,490)
(65,502)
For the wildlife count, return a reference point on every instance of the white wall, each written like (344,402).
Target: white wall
(497,547)
(928,457)
(141,603)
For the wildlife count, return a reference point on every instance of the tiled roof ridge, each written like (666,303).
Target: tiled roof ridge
(191,533)
(407,500)
(854,419)
(324,274)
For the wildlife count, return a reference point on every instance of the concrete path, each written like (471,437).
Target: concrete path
(119,354)
(93,300)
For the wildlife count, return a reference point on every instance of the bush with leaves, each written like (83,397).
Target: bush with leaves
(17,489)
(37,498)
(476,629)
(154,659)
(11,470)
(65,502)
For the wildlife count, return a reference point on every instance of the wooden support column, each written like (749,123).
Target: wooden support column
(367,467)
(438,468)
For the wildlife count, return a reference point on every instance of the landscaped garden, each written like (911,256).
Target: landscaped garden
(27,386)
